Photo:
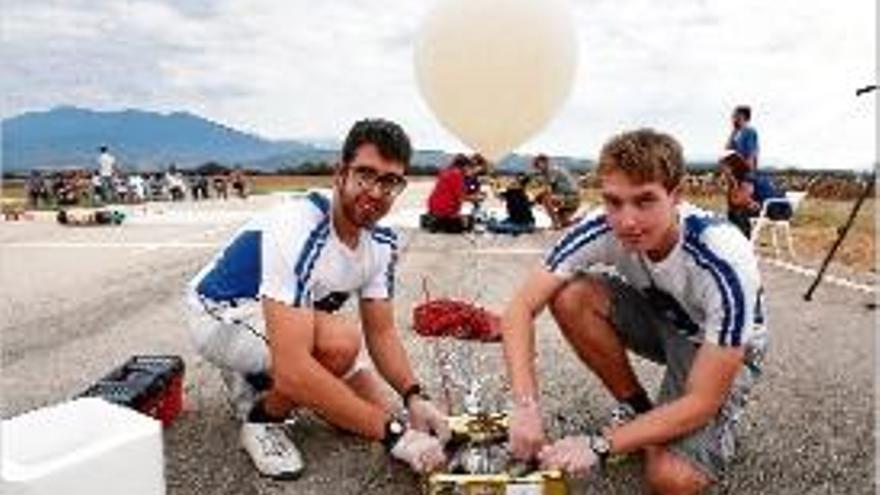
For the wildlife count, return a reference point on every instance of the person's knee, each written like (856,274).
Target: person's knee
(667,473)
(338,350)
(580,298)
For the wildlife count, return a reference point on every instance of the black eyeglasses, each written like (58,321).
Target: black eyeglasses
(390,184)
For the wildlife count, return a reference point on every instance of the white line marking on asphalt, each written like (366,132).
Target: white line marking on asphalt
(502,251)
(109,245)
(809,272)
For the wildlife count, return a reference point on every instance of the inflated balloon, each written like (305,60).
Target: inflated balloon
(496,71)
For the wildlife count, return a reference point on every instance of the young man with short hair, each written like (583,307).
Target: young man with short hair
(266,313)
(686,294)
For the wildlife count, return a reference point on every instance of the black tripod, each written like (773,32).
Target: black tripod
(841,232)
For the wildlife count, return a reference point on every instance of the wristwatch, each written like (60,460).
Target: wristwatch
(601,446)
(394,429)
(413,391)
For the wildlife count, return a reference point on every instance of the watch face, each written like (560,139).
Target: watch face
(600,445)
(396,427)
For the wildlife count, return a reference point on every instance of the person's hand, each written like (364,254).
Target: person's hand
(426,417)
(571,454)
(526,429)
(423,452)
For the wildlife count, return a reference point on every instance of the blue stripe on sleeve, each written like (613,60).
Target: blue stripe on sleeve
(733,300)
(576,238)
(236,273)
(386,236)
(320,202)
(312,249)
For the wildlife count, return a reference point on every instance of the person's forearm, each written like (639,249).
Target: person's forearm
(310,385)
(662,424)
(519,350)
(390,359)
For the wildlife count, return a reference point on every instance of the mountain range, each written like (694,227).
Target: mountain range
(69,137)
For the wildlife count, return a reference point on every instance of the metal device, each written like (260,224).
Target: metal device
(481,464)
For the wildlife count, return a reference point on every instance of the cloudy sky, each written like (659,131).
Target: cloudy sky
(309,68)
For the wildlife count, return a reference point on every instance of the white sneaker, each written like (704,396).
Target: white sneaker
(272,451)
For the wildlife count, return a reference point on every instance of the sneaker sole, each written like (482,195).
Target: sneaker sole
(284,476)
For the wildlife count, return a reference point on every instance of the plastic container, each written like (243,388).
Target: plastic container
(85,446)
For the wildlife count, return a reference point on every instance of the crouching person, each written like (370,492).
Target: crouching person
(685,294)
(265,312)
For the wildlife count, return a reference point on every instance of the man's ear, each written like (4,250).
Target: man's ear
(339,171)
(676,193)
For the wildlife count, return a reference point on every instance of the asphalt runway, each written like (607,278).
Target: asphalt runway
(77,302)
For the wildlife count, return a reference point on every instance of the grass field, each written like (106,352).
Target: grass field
(814,226)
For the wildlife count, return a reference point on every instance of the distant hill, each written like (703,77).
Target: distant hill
(70,136)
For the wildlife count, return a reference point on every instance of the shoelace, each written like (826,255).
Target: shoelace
(272,443)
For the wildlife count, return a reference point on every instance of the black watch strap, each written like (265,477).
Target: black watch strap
(601,446)
(414,390)
(394,429)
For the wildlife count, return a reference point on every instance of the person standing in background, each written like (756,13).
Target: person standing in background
(743,137)
(106,168)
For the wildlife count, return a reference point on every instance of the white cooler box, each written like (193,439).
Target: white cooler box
(86,446)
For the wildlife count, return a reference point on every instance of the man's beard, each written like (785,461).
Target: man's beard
(365,214)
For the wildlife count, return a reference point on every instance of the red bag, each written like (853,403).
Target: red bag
(457,319)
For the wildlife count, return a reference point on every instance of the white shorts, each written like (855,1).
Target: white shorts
(234,336)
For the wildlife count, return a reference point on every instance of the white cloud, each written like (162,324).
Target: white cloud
(309,68)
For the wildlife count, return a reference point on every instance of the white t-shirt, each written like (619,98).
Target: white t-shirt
(292,254)
(106,161)
(711,274)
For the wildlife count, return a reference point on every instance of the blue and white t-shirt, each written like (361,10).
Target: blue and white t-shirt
(292,254)
(709,281)
(745,142)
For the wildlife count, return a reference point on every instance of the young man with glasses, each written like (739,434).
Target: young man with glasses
(266,314)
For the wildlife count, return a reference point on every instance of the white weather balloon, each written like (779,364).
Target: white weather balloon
(496,71)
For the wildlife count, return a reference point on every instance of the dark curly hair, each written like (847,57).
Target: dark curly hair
(644,155)
(389,138)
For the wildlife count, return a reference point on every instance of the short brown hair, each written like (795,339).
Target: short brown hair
(644,155)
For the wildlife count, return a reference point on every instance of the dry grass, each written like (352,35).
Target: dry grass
(12,191)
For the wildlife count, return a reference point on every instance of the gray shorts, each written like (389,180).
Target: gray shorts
(643,331)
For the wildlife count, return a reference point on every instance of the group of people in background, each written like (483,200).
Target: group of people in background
(555,188)
(460,183)
(108,184)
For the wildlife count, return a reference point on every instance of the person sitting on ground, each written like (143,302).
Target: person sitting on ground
(175,183)
(520,219)
(239,182)
(447,199)
(685,292)
(747,191)
(266,312)
(562,196)
(220,187)
(473,184)
(37,191)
